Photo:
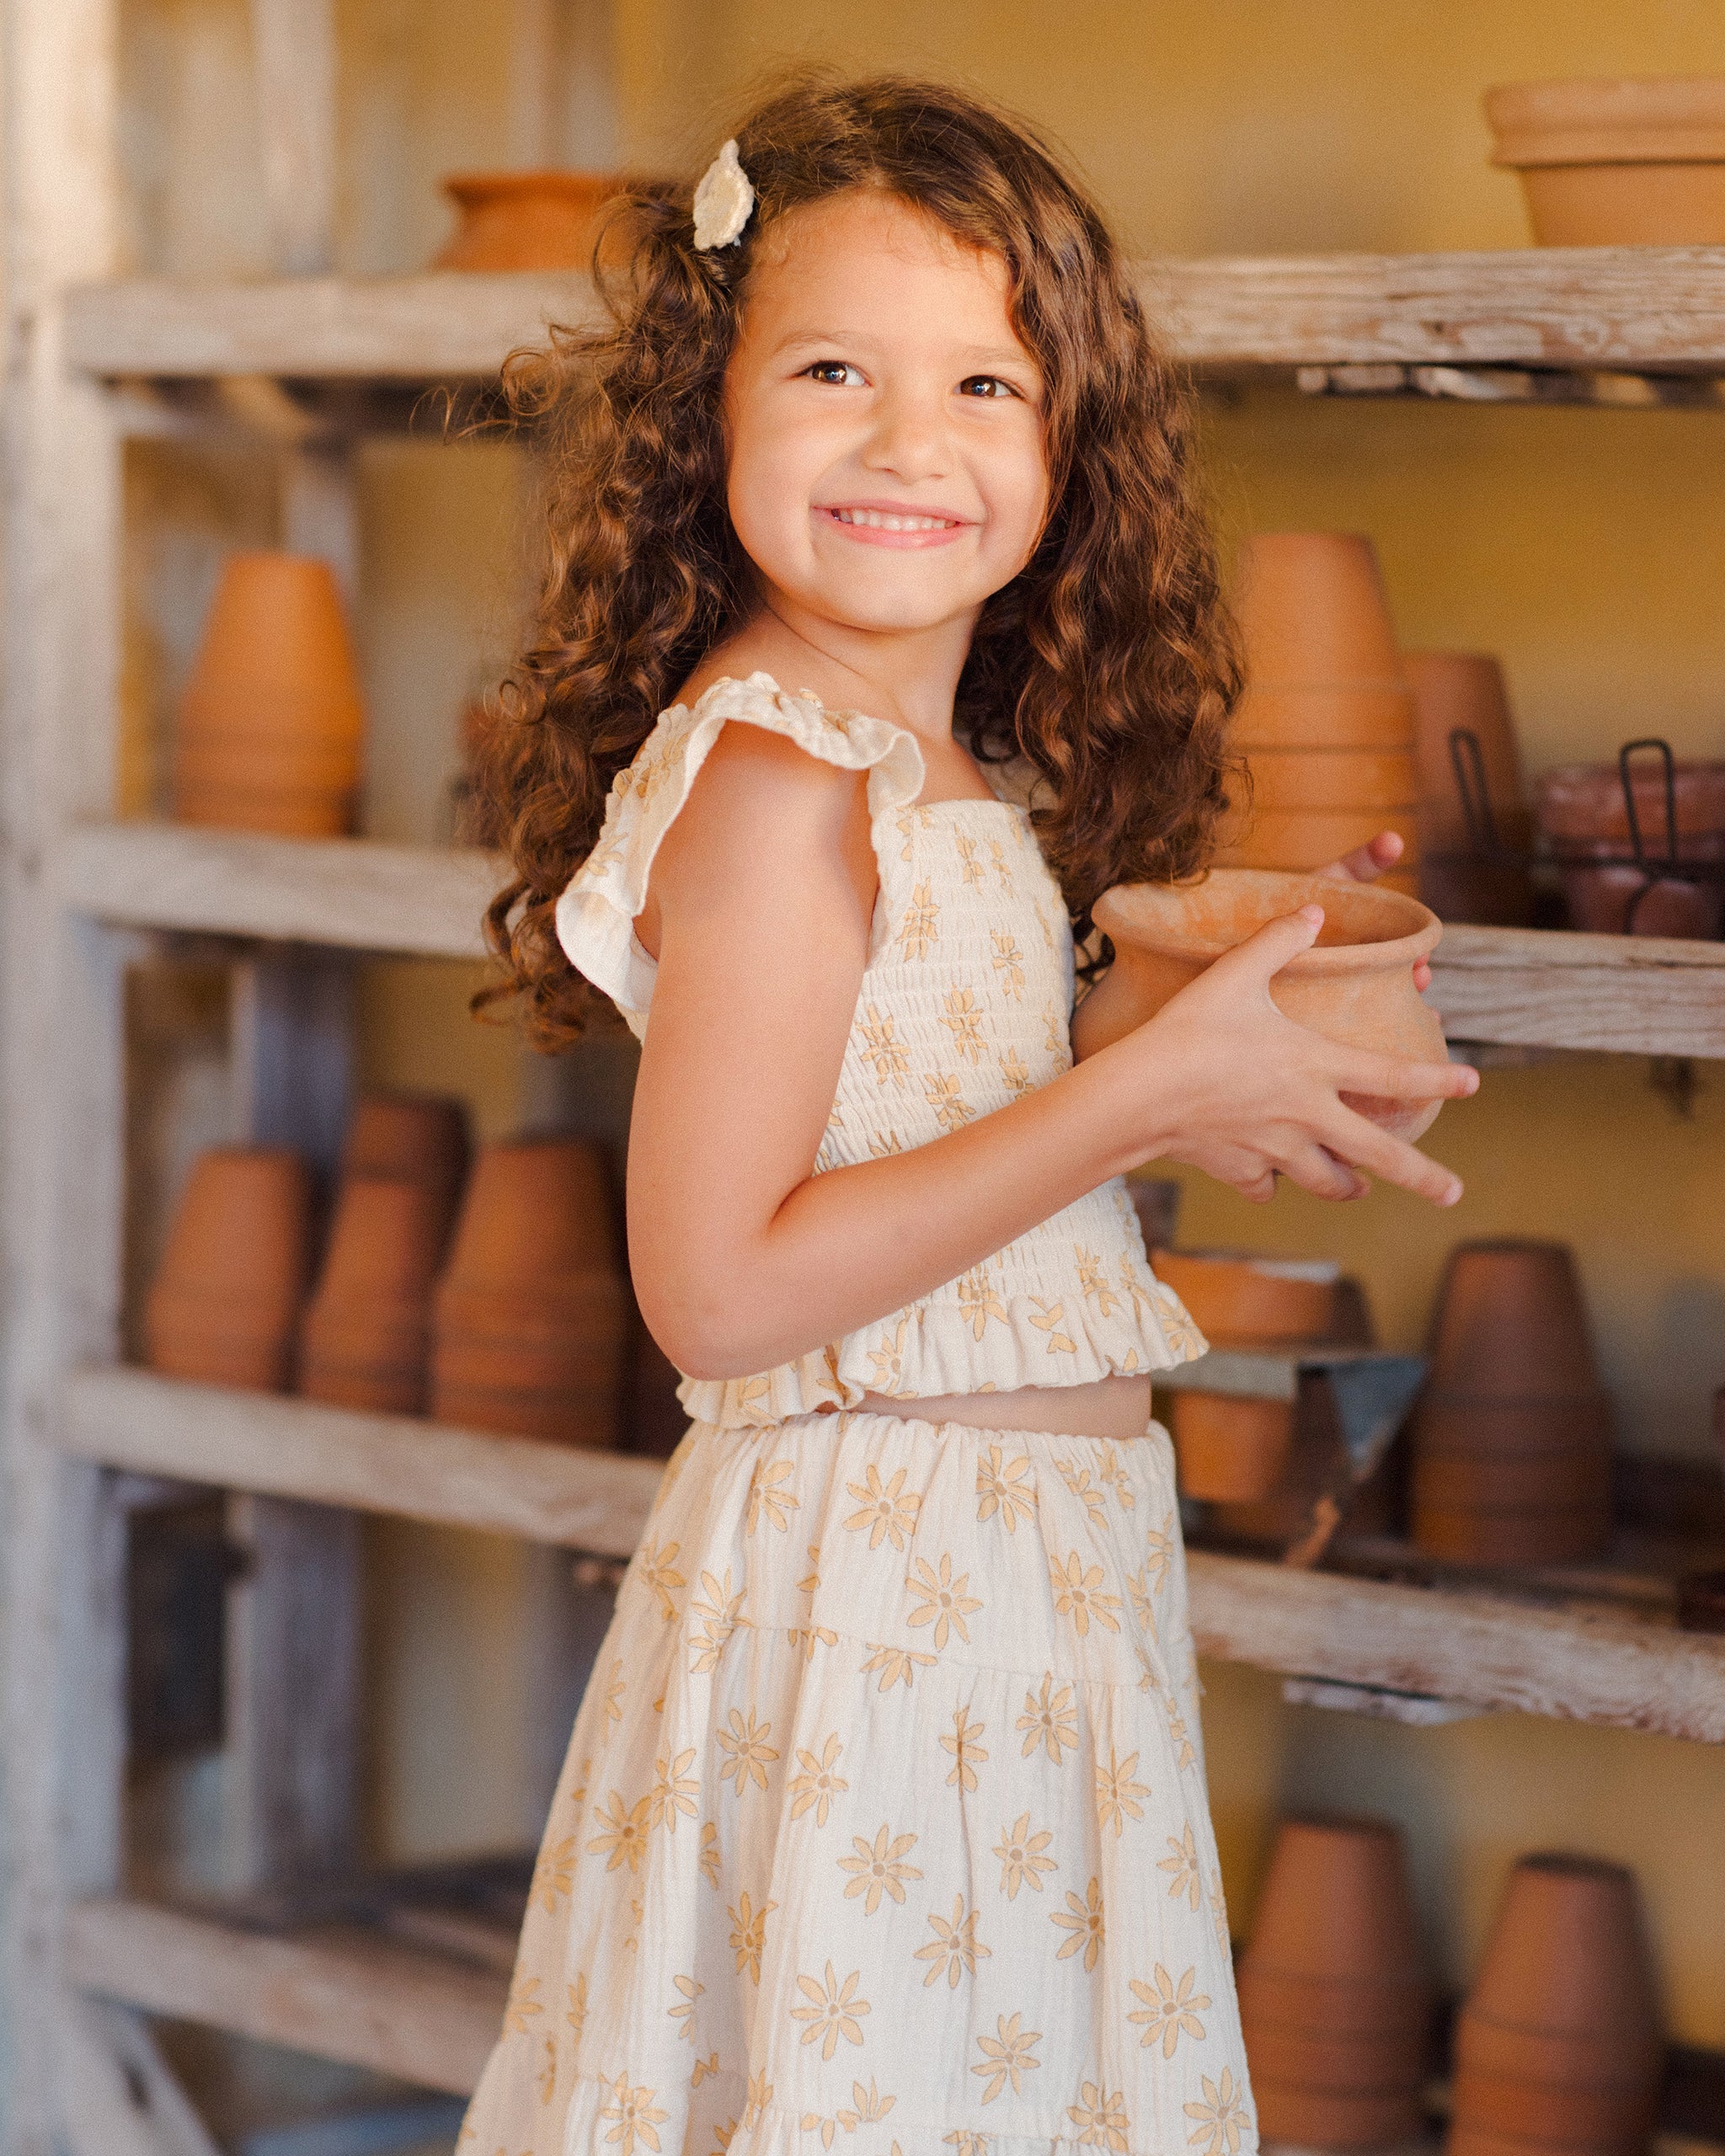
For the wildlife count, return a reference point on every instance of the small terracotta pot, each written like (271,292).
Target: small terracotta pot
(1616,163)
(1365,716)
(367,1338)
(1234,1296)
(1562,1482)
(527,220)
(223,1306)
(1305,839)
(271,721)
(1376,2008)
(1317,2118)
(1381,780)
(414,1137)
(1493,891)
(1615,900)
(1229,1450)
(1492,1540)
(1464,690)
(1311,608)
(1452,1425)
(1582,804)
(565,1392)
(1355,985)
(535,1209)
(1509,1323)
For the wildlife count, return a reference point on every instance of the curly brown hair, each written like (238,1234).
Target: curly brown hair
(1107,664)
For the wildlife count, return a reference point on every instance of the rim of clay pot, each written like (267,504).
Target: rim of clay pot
(1364,929)
(1556,120)
(469,190)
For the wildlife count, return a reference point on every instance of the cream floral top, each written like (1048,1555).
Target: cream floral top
(964,1005)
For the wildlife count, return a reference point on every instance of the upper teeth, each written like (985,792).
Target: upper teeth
(878,519)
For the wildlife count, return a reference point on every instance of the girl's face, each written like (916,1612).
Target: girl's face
(887,468)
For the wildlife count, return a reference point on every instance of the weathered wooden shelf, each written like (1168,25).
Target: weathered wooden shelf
(1567,1654)
(1656,309)
(340,1992)
(397,1464)
(1523,987)
(355,894)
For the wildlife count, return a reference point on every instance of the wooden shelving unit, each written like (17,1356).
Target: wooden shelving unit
(88,1440)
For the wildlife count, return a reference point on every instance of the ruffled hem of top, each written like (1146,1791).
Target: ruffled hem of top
(928,1351)
(596,916)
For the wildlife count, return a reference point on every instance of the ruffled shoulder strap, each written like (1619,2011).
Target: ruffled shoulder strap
(596,916)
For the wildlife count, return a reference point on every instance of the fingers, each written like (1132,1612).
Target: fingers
(1392,1077)
(1367,862)
(1275,943)
(1356,1139)
(1421,976)
(1316,1169)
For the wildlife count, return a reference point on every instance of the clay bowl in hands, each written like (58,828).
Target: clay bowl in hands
(1354,986)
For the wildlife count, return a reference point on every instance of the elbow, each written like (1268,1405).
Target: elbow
(706,1337)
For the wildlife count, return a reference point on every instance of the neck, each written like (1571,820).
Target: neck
(910,676)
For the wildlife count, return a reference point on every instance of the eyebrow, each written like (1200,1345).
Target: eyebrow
(993,355)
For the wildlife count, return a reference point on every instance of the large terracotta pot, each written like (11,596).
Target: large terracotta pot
(531,1319)
(1334,2002)
(1612,898)
(270,724)
(367,1338)
(1510,1323)
(1332,779)
(1616,161)
(1456,1425)
(1355,985)
(1559,2042)
(225,1302)
(1311,610)
(1583,816)
(1236,1297)
(526,220)
(1257,835)
(1229,1450)
(1373,717)
(415,1137)
(1464,692)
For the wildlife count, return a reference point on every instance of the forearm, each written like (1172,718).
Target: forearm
(850,1246)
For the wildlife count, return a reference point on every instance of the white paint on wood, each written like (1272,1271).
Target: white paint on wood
(291,1049)
(119,2096)
(1575,1661)
(536,82)
(1418,1709)
(392,1463)
(293,57)
(357,894)
(320,510)
(338,1994)
(1539,988)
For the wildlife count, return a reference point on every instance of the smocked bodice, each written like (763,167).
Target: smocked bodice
(964,1006)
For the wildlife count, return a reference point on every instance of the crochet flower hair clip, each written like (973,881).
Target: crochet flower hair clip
(723,201)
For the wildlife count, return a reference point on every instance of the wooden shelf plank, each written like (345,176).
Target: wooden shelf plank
(355,894)
(281,1447)
(1577,1660)
(341,1994)
(1542,988)
(1653,308)
(1570,1656)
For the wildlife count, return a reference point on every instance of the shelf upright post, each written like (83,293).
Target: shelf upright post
(62,1024)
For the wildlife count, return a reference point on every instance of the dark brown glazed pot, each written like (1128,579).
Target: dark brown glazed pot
(225,1303)
(1490,891)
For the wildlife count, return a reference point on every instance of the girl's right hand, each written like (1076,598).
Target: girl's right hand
(1244,1094)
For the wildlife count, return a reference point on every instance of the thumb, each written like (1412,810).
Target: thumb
(1262,956)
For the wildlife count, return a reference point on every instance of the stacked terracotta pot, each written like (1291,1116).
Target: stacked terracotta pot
(225,1303)
(367,1334)
(514,220)
(530,1317)
(1326,722)
(1475,828)
(1232,1450)
(1511,1437)
(1584,812)
(1558,2050)
(1333,1997)
(1617,162)
(271,722)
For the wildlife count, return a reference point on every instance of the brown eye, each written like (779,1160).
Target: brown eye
(839,373)
(985,385)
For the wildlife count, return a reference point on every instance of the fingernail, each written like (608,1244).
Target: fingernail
(1314,914)
(1452,1195)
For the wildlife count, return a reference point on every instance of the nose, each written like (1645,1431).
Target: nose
(909,438)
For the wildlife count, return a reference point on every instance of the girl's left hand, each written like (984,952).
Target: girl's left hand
(1365,865)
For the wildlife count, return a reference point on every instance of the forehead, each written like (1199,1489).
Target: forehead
(866,261)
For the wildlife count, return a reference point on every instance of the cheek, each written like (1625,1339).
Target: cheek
(767,482)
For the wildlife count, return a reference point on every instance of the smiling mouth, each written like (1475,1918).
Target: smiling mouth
(880,520)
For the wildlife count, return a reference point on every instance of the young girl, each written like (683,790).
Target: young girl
(883,1824)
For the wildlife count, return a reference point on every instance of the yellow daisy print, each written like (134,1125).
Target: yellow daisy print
(637,2118)
(1187,1882)
(1021,1856)
(1078,1595)
(1118,1796)
(943,1601)
(878,1868)
(945,1095)
(1016,1072)
(832,2011)
(1221,2117)
(748,1934)
(1050,1720)
(1101,2119)
(1004,1488)
(920,929)
(978,1302)
(962,1016)
(963,1741)
(1008,964)
(954,1949)
(1083,1922)
(749,1752)
(819,1781)
(622,1831)
(886,1511)
(1006,2056)
(884,1051)
(1170,2011)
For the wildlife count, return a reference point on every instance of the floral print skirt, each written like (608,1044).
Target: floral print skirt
(884,1824)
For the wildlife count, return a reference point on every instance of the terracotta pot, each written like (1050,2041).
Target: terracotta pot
(1581,809)
(1562,1479)
(1337,1908)
(1542,1535)
(1375,2008)
(1616,163)
(414,1137)
(1463,691)
(1234,1296)
(1355,985)
(1453,1425)
(1311,2058)
(1229,1449)
(270,724)
(224,1304)
(1490,891)
(1311,610)
(1316,2118)
(527,220)
(1378,779)
(1373,716)
(367,1333)
(1616,899)
(1304,839)
(535,1209)
(1509,1323)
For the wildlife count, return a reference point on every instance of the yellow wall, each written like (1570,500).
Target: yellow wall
(1582,547)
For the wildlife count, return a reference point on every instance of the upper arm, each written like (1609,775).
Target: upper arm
(760,903)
